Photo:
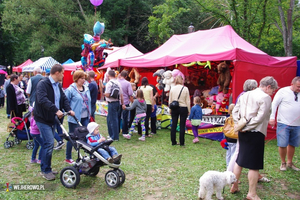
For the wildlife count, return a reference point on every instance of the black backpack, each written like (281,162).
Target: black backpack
(115,90)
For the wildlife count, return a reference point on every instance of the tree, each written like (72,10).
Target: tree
(248,17)
(174,17)
(57,26)
(286,28)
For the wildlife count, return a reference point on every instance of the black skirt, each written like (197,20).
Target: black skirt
(251,151)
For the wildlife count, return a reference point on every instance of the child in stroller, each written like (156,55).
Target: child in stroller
(90,163)
(94,138)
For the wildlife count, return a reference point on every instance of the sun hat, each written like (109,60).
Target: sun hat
(91,126)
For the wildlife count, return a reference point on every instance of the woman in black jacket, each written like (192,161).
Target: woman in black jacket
(15,98)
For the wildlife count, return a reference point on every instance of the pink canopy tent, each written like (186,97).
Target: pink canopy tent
(217,45)
(113,59)
(19,67)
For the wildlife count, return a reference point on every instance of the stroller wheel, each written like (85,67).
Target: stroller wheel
(121,175)
(69,177)
(7,144)
(112,179)
(94,172)
(12,143)
(29,145)
(17,141)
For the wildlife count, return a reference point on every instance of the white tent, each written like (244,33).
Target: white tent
(44,63)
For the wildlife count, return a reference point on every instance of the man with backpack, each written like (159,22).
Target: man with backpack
(113,94)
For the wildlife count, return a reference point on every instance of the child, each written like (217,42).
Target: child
(94,138)
(140,105)
(38,141)
(2,95)
(196,117)
(132,112)
(230,141)
(153,118)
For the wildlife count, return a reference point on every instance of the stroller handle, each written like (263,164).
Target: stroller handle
(65,114)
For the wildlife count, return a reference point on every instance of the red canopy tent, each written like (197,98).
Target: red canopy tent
(19,67)
(217,45)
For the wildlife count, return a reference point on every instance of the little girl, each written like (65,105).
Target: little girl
(140,105)
(196,117)
(38,141)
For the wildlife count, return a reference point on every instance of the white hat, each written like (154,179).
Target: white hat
(91,126)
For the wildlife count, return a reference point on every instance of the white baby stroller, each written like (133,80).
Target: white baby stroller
(90,163)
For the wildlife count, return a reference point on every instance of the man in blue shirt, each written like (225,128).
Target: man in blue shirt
(49,103)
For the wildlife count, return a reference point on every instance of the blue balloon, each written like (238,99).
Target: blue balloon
(83,61)
(98,28)
(88,39)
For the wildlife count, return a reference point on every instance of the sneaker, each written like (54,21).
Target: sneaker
(153,133)
(142,138)
(283,167)
(127,136)
(135,131)
(70,161)
(54,172)
(195,140)
(110,160)
(59,145)
(49,176)
(34,161)
(38,161)
(292,166)
(117,157)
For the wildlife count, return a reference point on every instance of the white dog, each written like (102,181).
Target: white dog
(214,181)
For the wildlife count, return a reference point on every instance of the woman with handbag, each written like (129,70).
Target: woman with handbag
(253,107)
(179,103)
(15,98)
(79,98)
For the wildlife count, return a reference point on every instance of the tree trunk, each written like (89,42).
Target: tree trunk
(287,27)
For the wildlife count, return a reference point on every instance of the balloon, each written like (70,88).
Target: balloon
(88,39)
(91,59)
(98,28)
(83,63)
(96,2)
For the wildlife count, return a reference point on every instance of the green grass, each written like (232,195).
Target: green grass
(154,170)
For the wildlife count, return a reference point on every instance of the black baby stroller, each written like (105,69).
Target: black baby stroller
(19,130)
(90,163)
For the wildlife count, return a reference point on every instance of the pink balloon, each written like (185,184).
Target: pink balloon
(96,2)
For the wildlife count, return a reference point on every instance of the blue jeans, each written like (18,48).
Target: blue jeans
(125,121)
(113,122)
(38,141)
(84,122)
(47,134)
(59,131)
(93,109)
(106,154)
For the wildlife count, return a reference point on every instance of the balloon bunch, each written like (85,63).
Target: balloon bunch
(92,49)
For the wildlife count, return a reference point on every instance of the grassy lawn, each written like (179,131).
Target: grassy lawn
(154,170)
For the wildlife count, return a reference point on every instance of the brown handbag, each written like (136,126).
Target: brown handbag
(228,128)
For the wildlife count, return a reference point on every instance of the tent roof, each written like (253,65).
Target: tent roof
(114,57)
(44,63)
(217,44)
(68,61)
(19,67)
(2,71)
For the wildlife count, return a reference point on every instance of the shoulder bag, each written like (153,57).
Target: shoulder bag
(175,104)
(243,121)
(228,128)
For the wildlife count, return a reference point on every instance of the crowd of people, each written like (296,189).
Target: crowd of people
(136,105)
